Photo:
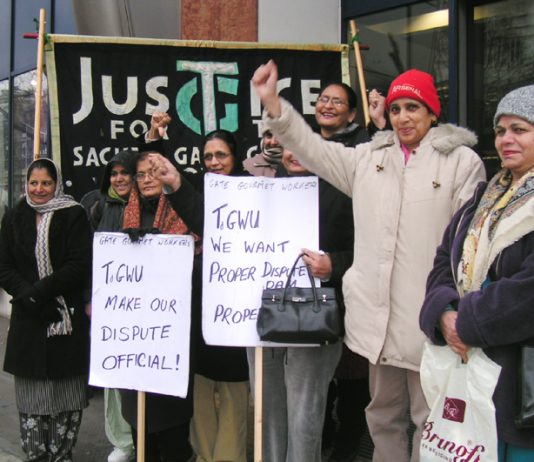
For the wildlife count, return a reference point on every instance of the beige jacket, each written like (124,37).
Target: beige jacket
(400,213)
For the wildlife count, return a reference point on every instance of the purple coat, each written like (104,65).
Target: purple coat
(496,318)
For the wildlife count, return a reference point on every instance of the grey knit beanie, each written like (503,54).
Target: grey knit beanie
(519,102)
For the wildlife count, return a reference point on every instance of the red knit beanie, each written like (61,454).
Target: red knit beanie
(416,85)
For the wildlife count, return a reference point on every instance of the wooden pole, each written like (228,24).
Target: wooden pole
(39,86)
(258,404)
(359,68)
(141,430)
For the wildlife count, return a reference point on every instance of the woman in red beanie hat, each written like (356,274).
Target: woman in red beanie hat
(406,184)
(413,107)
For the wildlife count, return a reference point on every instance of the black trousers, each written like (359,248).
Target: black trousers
(169,445)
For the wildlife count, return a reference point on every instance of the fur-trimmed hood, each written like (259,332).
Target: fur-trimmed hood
(444,138)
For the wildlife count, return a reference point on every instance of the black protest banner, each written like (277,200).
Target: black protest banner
(104,90)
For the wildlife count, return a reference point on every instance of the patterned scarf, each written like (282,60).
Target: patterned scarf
(166,220)
(42,246)
(500,200)
(273,156)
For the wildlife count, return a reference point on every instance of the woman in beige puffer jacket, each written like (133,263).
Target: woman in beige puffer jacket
(405,184)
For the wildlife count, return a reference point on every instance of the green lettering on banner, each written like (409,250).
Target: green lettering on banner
(207,71)
(183,106)
(226,85)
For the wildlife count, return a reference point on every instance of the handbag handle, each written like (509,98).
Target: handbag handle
(312,282)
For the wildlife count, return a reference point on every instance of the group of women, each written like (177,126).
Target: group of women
(406,185)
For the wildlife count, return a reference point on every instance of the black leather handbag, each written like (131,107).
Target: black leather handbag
(525,414)
(299,315)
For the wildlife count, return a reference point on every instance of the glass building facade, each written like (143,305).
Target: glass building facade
(18,57)
(477,51)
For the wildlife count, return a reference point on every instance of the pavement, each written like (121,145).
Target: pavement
(92,445)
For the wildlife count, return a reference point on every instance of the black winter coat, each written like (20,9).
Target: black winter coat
(29,353)
(105,212)
(223,364)
(163,411)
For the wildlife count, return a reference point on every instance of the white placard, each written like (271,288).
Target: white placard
(254,228)
(141,312)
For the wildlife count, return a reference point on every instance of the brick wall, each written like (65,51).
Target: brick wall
(227,20)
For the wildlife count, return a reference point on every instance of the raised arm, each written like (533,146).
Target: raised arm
(158,126)
(184,198)
(377,109)
(264,80)
(331,161)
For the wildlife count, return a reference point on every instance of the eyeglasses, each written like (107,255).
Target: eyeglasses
(219,155)
(335,101)
(142,176)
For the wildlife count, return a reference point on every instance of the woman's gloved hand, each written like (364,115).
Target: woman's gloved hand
(50,312)
(29,299)
(32,303)
(137,233)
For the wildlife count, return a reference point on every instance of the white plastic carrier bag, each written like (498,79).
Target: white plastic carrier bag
(461,425)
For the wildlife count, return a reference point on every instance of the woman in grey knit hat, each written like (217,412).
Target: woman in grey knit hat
(480,292)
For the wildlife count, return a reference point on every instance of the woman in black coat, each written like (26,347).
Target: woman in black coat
(45,263)
(335,114)
(105,209)
(219,432)
(221,389)
(105,206)
(152,206)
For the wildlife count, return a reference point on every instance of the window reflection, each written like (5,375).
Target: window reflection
(4,145)
(503,59)
(403,38)
(24,115)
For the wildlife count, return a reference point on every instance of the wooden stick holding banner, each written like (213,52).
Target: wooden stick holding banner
(237,266)
(141,319)
(359,68)
(258,404)
(141,428)
(39,86)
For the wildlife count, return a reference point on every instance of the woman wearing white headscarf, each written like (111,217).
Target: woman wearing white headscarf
(45,263)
